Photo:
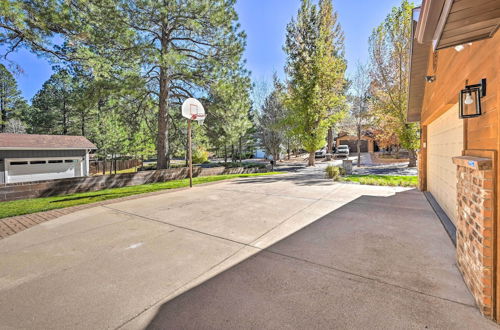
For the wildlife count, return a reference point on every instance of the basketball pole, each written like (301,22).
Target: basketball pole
(190,156)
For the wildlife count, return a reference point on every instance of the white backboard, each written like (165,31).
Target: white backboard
(193,109)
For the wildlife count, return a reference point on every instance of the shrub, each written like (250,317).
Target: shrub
(254,165)
(244,164)
(200,156)
(334,172)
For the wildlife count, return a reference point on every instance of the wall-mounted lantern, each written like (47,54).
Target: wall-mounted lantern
(470,99)
(430,79)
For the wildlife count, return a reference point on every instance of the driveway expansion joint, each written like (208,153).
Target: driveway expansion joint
(369,278)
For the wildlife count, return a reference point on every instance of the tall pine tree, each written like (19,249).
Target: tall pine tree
(12,104)
(175,47)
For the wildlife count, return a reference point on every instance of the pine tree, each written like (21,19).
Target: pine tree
(174,47)
(228,108)
(52,106)
(12,104)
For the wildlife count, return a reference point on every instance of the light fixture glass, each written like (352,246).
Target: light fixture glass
(468,99)
(459,48)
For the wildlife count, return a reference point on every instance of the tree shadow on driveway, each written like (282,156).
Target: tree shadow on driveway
(376,262)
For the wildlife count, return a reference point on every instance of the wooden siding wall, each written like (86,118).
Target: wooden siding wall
(453,70)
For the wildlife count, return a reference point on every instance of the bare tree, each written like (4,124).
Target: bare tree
(389,47)
(15,126)
(270,130)
(359,115)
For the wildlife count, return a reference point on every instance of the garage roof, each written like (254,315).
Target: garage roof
(37,141)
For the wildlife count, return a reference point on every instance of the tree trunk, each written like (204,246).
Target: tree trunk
(240,150)
(65,117)
(225,153)
(311,159)
(83,124)
(329,146)
(3,110)
(288,149)
(162,138)
(233,156)
(413,158)
(358,146)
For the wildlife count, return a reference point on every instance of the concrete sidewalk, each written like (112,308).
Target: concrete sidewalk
(374,255)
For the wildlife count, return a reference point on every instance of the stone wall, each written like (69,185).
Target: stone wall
(475,249)
(13,191)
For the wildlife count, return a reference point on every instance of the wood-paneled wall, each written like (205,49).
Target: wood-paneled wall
(453,70)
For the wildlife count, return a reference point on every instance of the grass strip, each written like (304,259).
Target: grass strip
(27,206)
(384,180)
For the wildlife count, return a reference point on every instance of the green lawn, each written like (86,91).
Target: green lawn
(384,180)
(26,206)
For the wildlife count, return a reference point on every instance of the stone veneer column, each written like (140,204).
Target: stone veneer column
(475,189)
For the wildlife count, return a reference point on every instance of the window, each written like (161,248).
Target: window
(33,162)
(70,160)
(55,161)
(18,163)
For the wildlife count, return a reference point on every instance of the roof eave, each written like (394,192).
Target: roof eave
(31,148)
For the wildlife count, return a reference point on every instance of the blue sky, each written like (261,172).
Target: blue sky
(264,22)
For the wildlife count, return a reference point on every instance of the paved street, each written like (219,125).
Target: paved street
(287,251)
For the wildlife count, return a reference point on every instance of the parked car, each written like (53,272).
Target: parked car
(321,153)
(342,151)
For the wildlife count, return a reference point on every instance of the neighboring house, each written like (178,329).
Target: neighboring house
(31,157)
(259,153)
(456,44)
(367,143)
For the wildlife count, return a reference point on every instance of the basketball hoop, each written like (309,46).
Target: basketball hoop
(192,109)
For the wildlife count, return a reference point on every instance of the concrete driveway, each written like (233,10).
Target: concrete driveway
(221,256)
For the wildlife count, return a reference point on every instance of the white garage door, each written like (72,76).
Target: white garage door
(444,141)
(36,170)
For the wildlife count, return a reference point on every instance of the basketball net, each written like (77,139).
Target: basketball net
(199,120)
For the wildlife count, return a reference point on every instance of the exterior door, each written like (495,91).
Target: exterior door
(444,141)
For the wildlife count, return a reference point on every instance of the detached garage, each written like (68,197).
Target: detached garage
(367,143)
(32,157)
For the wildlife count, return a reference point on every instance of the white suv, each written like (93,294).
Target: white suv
(342,151)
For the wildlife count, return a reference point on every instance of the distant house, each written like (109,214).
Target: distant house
(31,157)
(367,143)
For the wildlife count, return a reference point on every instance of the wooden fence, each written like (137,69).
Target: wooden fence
(99,166)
